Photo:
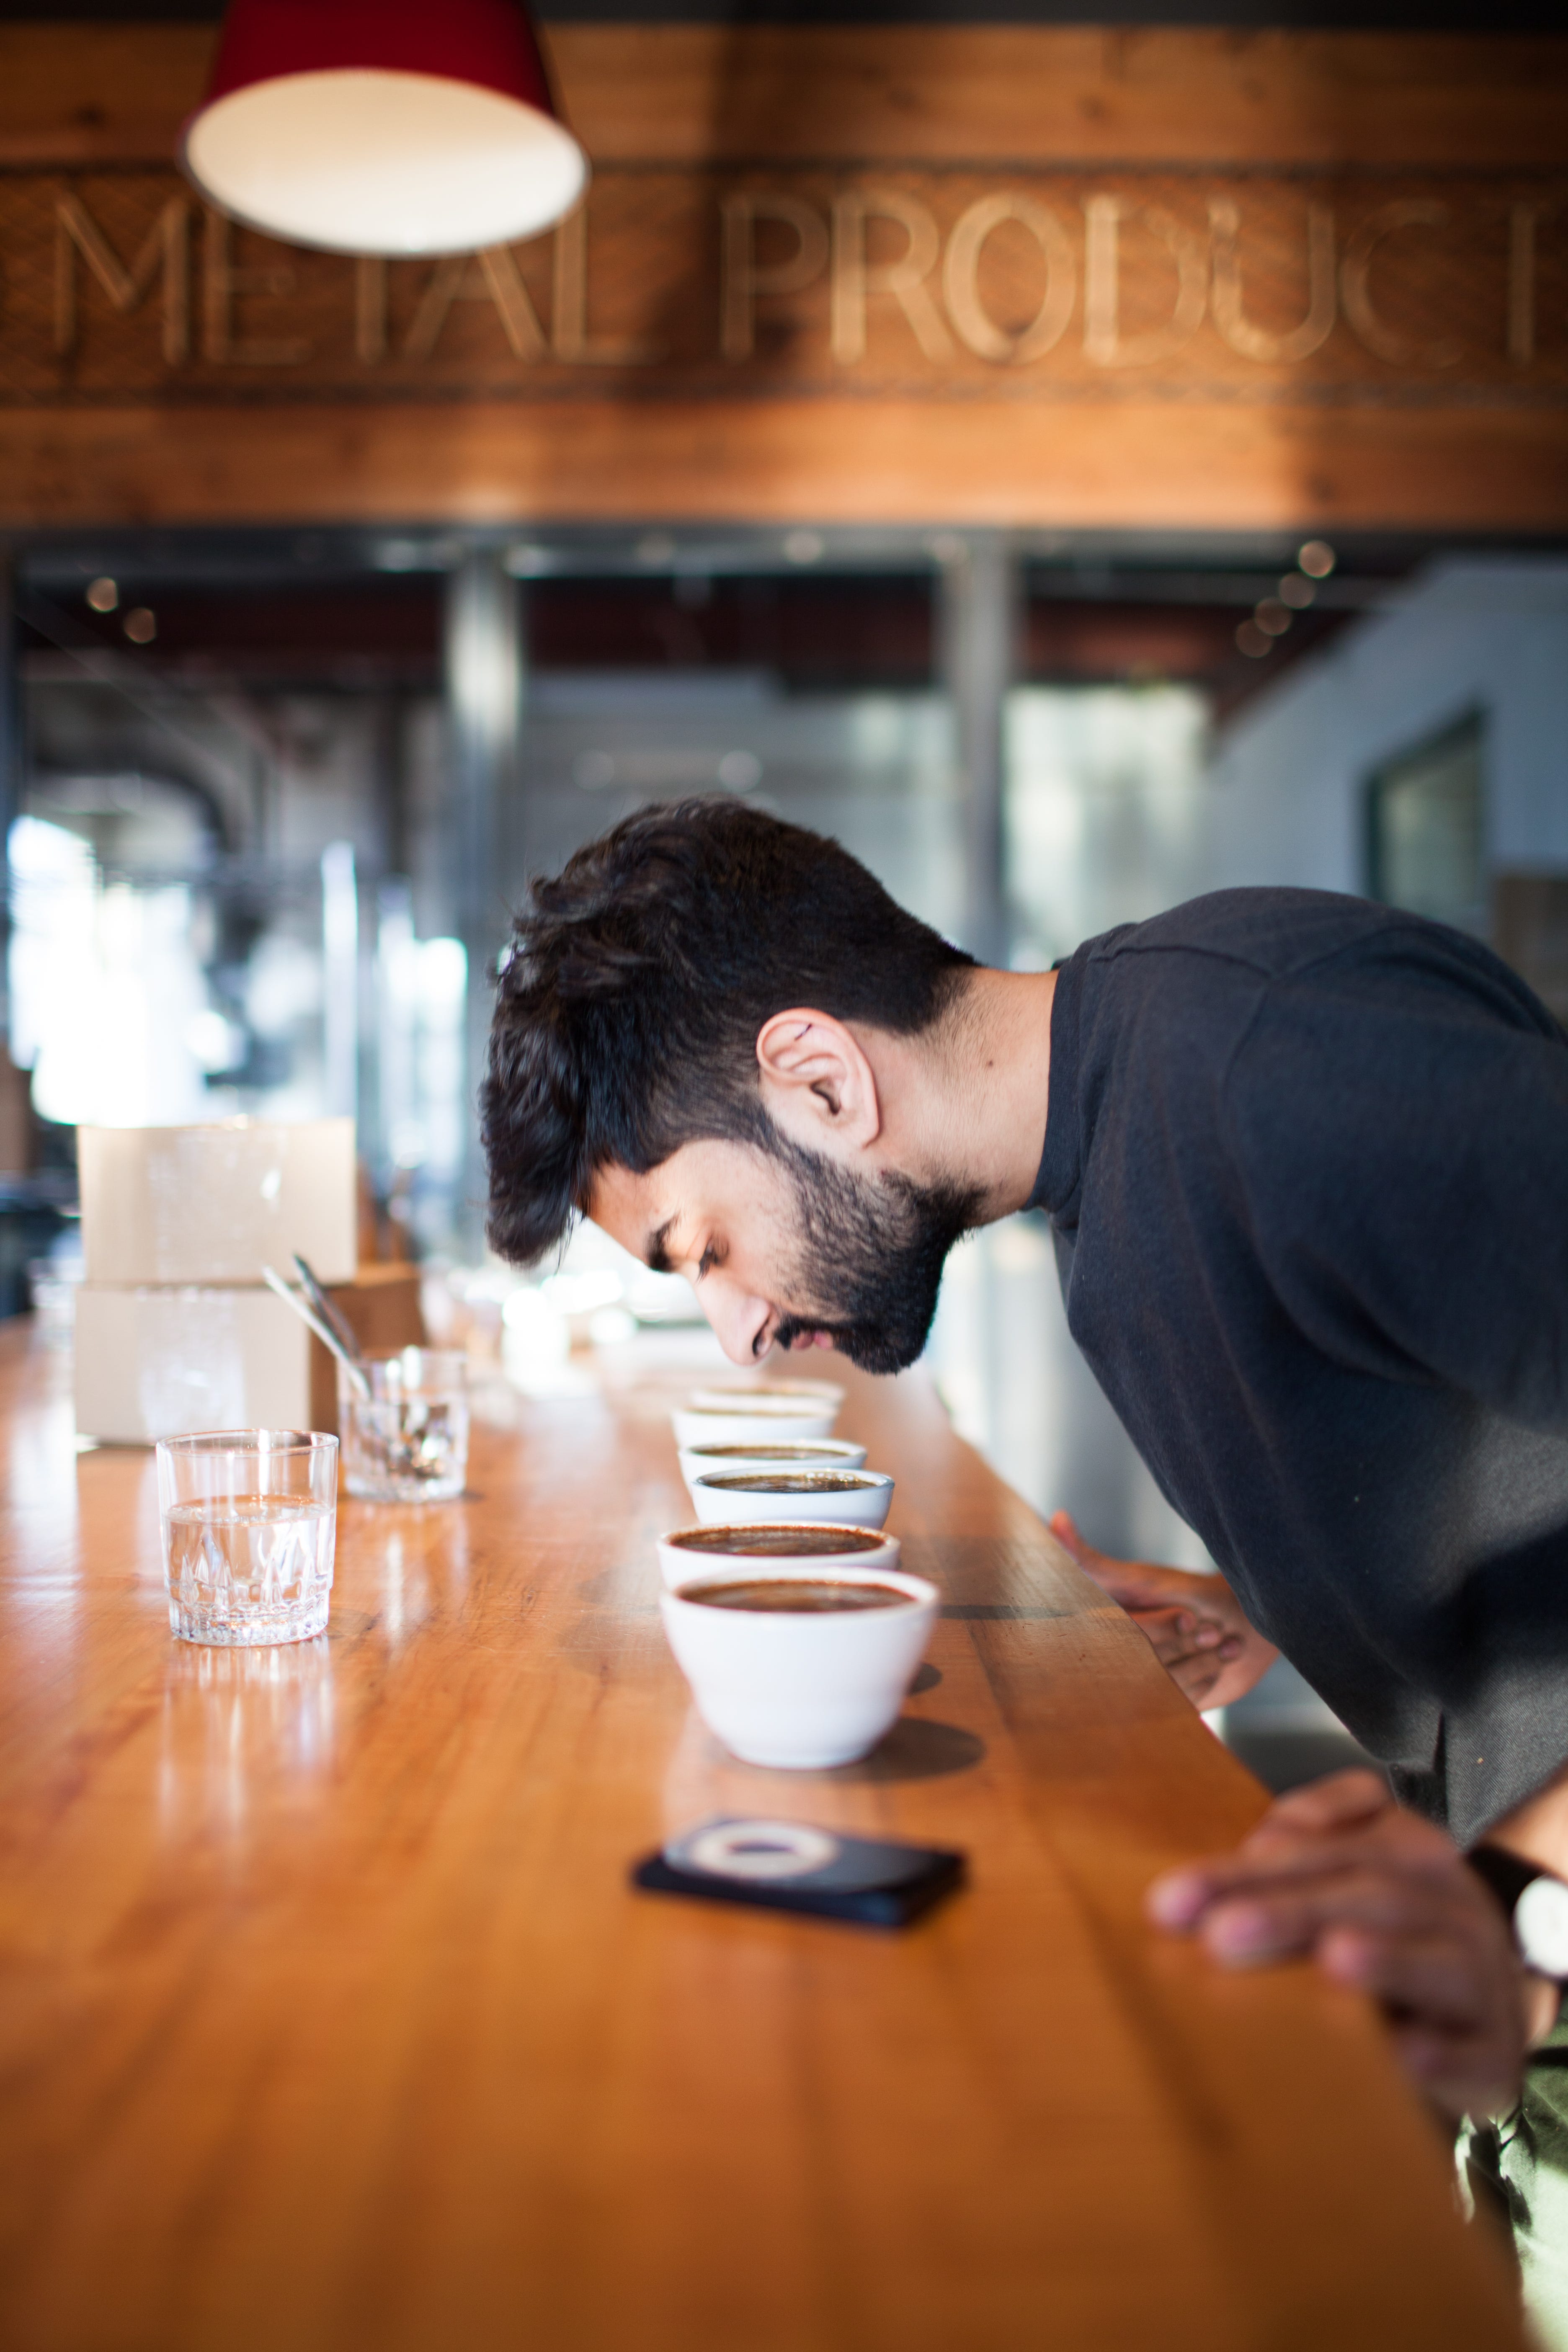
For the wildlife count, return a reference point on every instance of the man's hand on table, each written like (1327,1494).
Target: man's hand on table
(1194,1623)
(1384,1901)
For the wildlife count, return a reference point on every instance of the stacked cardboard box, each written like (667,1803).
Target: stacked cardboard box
(175,1329)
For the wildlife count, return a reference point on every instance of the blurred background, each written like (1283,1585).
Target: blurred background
(274,770)
(237,884)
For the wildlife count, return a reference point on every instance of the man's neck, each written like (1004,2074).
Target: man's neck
(966,1104)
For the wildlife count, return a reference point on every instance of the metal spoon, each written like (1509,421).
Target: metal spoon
(322,1329)
(325,1308)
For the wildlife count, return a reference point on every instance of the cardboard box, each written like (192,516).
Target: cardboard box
(213,1205)
(159,1362)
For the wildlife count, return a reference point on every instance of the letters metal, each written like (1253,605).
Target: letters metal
(933,283)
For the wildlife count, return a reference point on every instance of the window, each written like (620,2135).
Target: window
(1426,829)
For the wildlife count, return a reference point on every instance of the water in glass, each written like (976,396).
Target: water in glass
(408,1442)
(249,1567)
(249,1517)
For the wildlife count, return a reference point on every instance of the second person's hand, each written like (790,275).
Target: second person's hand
(1194,1625)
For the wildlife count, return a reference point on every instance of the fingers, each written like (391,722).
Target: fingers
(1259,1924)
(1133,1582)
(1095,1563)
(1445,1979)
(1196,1678)
(1194,1652)
(1065,1529)
(1173,1632)
(1178,1899)
(1384,1903)
(1276,1856)
(1194,1623)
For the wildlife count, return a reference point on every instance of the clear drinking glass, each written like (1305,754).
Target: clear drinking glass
(408,1442)
(249,1520)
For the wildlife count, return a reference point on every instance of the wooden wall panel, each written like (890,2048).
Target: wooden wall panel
(1051,95)
(1209,467)
(703,93)
(1434,399)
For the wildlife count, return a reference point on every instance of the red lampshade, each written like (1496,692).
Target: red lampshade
(384,126)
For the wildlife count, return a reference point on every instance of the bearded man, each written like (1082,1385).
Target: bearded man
(1305,1160)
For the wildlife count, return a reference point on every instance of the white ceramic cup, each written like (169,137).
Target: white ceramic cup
(783,1454)
(761,1423)
(854,1498)
(799,1692)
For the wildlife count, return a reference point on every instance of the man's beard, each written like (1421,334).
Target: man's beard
(870,1256)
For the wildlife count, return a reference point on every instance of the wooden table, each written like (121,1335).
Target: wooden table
(328,2018)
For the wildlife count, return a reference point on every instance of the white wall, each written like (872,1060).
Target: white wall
(1117,812)
(1288,776)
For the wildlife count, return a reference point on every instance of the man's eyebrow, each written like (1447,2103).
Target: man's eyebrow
(656,1256)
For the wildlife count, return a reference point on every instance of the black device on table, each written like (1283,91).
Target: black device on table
(796,1867)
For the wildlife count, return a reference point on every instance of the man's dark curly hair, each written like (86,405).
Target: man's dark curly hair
(630,1000)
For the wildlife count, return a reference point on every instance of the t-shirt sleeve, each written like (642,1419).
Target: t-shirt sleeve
(1399,1126)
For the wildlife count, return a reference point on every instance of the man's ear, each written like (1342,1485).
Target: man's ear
(817,1086)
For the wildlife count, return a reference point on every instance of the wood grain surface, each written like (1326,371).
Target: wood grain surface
(328,2018)
(998,93)
(1154,465)
(1205,438)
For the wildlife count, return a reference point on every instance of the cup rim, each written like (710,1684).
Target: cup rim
(790,1389)
(671,1539)
(248,1440)
(862,1476)
(801,1408)
(917,1591)
(735,1446)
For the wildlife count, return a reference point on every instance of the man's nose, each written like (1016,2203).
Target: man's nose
(736,1317)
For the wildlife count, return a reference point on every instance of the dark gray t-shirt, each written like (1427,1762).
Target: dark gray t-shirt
(1306,1164)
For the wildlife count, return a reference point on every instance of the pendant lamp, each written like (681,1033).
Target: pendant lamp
(384,126)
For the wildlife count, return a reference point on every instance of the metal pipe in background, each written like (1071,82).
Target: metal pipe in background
(12,781)
(340,981)
(484,685)
(978,621)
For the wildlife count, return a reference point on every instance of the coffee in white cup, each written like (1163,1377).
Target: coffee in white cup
(798,1661)
(776,1454)
(760,1420)
(727,1497)
(736,1396)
